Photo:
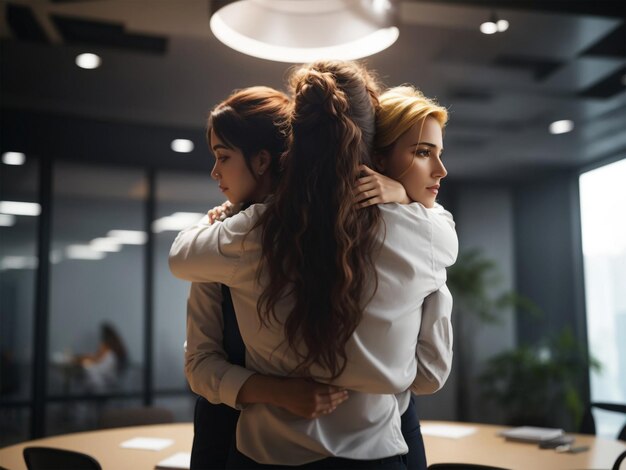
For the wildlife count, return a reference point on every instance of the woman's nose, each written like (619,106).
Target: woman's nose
(440,170)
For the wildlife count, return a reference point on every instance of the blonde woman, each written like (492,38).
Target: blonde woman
(408,149)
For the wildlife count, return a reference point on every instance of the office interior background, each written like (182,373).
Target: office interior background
(547,207)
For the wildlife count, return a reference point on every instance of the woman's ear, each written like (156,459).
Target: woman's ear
(262,162)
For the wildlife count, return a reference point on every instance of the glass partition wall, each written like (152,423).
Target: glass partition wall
(107,271)
(181,200)
(19,214)
(96,304)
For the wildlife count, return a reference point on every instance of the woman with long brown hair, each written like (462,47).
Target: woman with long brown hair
(246,133)
(363,274)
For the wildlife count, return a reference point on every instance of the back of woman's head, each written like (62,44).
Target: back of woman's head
(112,340)
(317,249)
(253,119)
(400,109)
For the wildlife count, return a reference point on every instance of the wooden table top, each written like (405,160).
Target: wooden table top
(484,446)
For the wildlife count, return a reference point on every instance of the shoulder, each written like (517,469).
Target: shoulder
(246,218)
(416,212)
(433,226)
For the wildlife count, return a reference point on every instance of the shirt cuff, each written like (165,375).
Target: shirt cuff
(231,383)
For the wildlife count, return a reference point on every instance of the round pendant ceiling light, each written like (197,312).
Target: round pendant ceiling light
(306,30)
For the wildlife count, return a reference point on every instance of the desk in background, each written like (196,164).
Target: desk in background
(482,447)
(487,448)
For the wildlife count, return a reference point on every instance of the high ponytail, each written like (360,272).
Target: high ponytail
(317,248)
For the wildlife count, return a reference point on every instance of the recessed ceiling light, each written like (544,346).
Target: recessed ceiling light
(88,61)
(19,262)
(13,158)
(502,25)
(83,252)
(182,145)
(128,237)
(175,222)
(105,244)
(20,208)
(7,220)
(489,27)
(561,127)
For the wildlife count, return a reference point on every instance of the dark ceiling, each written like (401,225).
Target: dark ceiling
(163,70)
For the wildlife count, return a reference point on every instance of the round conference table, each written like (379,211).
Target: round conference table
(482,446)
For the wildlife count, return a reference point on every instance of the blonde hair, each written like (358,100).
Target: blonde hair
(400,108)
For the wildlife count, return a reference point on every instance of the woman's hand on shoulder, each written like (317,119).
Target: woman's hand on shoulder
(221,212)
(375,188)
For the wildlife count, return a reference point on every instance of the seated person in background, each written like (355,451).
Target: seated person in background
(102,369)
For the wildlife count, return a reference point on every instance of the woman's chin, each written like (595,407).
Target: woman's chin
(427,203)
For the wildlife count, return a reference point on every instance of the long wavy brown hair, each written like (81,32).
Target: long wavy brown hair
(317,247)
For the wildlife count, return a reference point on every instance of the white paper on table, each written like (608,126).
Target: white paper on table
(147,443)
(178,460)
(532,433)
(451,431)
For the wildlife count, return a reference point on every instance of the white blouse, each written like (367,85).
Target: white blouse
(384,354)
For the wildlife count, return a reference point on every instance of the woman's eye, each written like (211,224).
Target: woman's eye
(222,159)
(423,153)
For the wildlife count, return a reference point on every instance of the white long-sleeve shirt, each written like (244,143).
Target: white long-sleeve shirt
(206,361)
(418,245)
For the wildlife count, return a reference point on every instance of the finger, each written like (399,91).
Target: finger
(369,185)
(323,409)
(331,399)
(332,392)
(337,399)
(369,202)
(334,389)
(373,189)
(366,169)
(362,197)
(365,180)
(365,194)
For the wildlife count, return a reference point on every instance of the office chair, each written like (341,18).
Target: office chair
(619,461)
(588,425)
(122,417)
(462,466)
(49,458)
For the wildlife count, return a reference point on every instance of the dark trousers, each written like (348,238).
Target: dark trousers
(239,461)
(416,458)
(214,425)
(213,433)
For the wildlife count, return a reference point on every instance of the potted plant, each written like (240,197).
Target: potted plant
(536,384)
(540,385)
(472,281)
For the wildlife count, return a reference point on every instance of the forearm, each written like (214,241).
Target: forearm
(207,368)
(434,345)
(260,389)
(212,252)
(300,396)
